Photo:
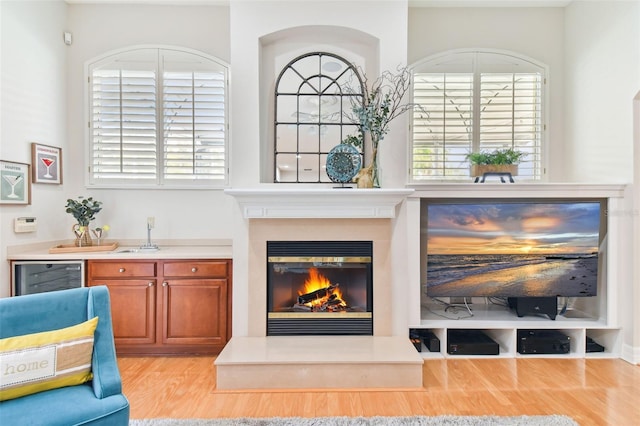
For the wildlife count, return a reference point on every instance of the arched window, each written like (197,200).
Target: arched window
(157,118)
(312,94)
(476,101)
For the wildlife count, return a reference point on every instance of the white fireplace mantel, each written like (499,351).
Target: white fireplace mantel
(330,203)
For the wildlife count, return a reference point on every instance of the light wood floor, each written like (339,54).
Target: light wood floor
(592,392)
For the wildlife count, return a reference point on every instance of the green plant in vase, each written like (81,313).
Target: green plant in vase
(84,211)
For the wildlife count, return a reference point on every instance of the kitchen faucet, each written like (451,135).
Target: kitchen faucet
(149,245)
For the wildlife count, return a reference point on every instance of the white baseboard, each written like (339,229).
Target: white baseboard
(631,354)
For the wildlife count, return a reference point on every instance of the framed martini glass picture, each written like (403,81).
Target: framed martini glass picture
(46,162)
(15,183)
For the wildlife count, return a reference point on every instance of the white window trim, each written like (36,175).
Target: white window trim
(545,112)
(192,184)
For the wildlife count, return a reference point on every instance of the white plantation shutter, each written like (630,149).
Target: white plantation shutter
(123,122)
(158,118)
(194,117)
(511,116)
(442,127)
(475,101)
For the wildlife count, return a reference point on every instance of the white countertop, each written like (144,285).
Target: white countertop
(167,250)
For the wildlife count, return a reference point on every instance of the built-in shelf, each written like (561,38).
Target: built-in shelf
(519,189)
(494,316)
(327,203)
(502,325)
(598,318)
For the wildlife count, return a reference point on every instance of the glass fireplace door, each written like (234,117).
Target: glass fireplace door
(317,295)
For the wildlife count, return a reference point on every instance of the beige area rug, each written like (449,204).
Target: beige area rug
(555,420)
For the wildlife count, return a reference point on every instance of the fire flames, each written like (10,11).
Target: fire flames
(315,281)
(319,294)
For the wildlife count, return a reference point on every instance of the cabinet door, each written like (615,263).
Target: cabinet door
(194,311)
(133,310)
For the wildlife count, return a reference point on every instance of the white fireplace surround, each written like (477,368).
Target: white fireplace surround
(253,360)
(328,203)
(286,213)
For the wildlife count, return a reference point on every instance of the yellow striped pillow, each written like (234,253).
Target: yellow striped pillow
(41,361)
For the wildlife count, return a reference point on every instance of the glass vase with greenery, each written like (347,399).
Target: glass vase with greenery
(84,211)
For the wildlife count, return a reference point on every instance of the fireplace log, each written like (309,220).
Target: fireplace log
(334,301)
(317,294)
(302,308)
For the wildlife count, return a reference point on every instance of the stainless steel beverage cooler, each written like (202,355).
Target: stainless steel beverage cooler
(40,276)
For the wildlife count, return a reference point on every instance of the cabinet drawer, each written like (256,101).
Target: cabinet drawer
(187,268)
(122,269)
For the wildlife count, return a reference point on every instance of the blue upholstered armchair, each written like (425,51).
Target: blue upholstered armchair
(99,401)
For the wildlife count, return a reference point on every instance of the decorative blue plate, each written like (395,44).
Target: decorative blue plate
(343,163)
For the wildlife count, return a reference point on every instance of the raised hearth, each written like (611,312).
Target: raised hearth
(318,362)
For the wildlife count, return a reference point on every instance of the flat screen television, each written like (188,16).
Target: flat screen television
(513,248)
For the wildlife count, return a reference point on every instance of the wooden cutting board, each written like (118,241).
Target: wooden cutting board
(72,248)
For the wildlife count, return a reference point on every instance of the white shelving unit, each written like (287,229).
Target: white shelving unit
(596,317)
(502,325)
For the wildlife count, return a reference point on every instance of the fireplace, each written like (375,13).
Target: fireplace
(319,288)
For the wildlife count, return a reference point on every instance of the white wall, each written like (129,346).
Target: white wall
(603,62)
(537,33)
(33,109)
(97,29)
(635,339)
(602,56)
(252,20)
(634,300)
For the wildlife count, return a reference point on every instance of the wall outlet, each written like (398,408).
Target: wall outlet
(151,222)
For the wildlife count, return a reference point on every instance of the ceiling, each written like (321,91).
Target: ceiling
(412,3)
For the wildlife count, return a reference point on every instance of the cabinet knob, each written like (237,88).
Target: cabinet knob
(150,284)
(121,270)
(164,284)
(194,269)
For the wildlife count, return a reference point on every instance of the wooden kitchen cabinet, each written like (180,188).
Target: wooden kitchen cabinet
(167,307)
(195,303)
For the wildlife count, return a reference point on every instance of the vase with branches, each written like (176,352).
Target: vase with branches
(383,101)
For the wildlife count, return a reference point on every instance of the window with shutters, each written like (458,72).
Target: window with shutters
(474,101)
(158,118)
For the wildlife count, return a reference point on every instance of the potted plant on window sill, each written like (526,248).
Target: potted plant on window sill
(497,161)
